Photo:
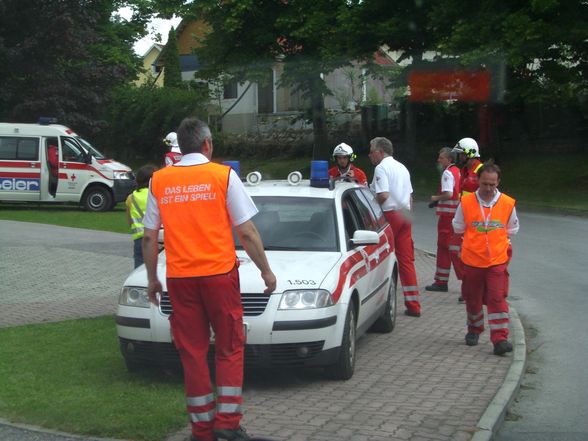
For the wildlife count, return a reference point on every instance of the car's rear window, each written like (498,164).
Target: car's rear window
(296,224)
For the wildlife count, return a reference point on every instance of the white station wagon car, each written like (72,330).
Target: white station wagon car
(333,256)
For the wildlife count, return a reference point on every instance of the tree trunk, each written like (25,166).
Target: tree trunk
(319,123)
(412,118)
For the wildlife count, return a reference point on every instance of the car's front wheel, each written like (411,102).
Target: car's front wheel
(97,199)
(343,369)
(133,365)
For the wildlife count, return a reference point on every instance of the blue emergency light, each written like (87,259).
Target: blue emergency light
(235,166)
(46,120)
(319,174)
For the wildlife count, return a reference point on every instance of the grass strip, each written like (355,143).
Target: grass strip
(67,216)
(70,376)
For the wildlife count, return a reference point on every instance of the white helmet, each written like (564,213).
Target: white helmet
(467,146)
(171,140)
(344,150)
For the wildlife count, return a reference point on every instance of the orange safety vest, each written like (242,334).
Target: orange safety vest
(449,207)
(193,209)
(485,241)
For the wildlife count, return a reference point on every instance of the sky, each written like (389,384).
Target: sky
(155,26)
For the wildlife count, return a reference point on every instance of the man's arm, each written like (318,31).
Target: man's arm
(381,197)
(128,210)
(446,195)
(512,227)
(458,221)
(150,253)
(251,240)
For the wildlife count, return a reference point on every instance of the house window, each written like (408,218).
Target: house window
(230,90)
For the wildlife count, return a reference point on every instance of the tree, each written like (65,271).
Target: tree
(171,67)
(249,36)
(140,117)
(543,42)
(61,58)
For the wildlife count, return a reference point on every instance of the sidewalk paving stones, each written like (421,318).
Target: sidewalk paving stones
(421,382)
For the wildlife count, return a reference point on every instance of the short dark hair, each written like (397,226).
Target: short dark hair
(144,174)
(490,167)
(191,135)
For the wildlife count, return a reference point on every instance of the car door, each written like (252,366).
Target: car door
(381,255)
(361,279)
(74,172)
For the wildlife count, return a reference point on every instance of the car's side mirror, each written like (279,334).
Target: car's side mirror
(365,237)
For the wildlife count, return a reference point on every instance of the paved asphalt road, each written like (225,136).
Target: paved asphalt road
(549,278)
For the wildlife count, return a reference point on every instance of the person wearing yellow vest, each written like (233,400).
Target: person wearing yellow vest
(198,202)
(136,204)
(487,218)
(446,201)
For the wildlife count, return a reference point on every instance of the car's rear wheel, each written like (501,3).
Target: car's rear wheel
(343,369)
(387,321)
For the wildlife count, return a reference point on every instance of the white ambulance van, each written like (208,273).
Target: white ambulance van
(47,162)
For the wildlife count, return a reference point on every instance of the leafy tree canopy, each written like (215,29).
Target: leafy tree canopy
(543,42)
(248,36)
(60,58)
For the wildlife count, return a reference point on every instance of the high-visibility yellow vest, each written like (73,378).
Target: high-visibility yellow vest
(138,204)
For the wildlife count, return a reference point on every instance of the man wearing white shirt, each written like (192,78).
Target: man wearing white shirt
(197,202)
(393,190)
(487,218)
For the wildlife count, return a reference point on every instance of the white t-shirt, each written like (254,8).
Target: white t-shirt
(447,181)
(393,177)
(240,206)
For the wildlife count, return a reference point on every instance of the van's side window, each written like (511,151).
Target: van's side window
(70,151)
(24,149)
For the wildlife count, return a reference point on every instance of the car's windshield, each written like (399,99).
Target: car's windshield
(295,224)
(95,153)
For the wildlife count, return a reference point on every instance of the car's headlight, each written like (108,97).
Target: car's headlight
(306,299)
(122,175)
(134,296)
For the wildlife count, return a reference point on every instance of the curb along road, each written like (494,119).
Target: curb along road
(418,383)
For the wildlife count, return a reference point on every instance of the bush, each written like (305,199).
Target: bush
(140,117)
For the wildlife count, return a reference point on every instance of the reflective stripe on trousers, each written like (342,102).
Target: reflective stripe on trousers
(404,248)
(490,286)
(229,399)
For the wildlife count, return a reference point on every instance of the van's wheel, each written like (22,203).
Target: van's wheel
(97,199)
(387,321)
(343,369)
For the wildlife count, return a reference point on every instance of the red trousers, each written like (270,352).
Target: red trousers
(490,286)
(199,303)
(448,251)
(404,245)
